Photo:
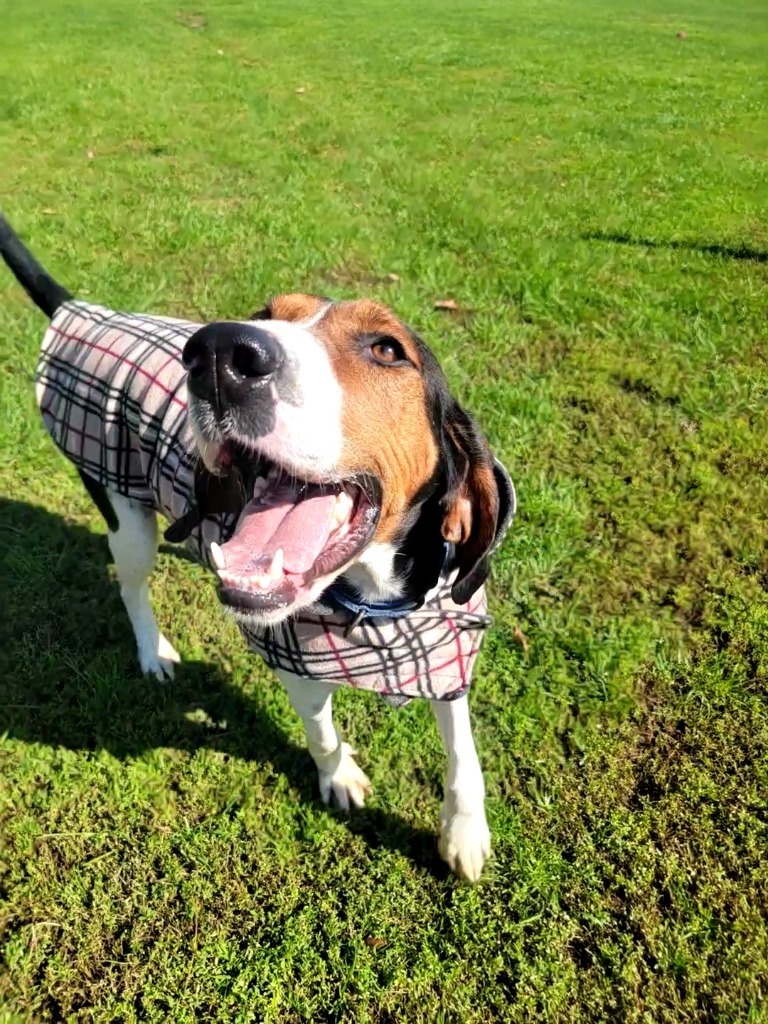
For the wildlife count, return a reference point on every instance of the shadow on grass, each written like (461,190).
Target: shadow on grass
(741,252)
(63,630)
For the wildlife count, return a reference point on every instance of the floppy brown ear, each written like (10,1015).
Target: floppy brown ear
(478,505)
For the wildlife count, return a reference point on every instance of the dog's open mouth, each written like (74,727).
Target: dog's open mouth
(290,534)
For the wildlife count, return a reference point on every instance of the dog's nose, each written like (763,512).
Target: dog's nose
(227,362)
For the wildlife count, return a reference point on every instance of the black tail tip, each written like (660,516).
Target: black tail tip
(46,293)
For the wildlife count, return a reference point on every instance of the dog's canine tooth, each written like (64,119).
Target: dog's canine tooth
(217,556)
(343,508)
(275,569)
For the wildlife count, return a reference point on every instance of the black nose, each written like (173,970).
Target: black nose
(227,362)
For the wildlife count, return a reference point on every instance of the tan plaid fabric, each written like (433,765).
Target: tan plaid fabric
(112,393)
(427,653)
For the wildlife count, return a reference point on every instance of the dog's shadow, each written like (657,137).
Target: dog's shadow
(69,678)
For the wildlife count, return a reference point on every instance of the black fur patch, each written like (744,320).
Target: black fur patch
(420,555)
(100,497)
(46,293)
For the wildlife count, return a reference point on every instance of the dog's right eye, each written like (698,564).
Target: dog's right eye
(262,314)
(388,352)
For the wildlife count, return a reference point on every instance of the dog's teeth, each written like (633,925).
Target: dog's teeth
(218,557)
(260,581)
(259,486)
(343,507)
(276,565)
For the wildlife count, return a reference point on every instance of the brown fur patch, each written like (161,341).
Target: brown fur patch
(385,419)
(472,506)
(296,306)
(483,497)
(475,509)
(457,524)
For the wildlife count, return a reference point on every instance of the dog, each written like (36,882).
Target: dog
(315,459)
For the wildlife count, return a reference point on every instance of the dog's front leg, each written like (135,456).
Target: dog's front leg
(465,841)
(134,547)
(338,772)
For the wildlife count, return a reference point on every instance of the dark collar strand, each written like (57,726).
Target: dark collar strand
(341,597)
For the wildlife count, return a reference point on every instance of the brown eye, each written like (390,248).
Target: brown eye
(262,314)
(388,352)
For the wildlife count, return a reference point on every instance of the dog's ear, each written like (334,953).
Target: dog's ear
(264,313)
(478,504)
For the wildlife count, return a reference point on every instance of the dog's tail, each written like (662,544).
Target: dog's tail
(39,285)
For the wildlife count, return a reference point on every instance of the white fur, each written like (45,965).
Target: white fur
(465,841)
(373,573)
(134,548)
(338,772)
(307,437)
(310,321)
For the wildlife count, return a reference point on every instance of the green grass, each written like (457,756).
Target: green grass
(593,190)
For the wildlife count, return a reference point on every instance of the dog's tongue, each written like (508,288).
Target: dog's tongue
(301,530)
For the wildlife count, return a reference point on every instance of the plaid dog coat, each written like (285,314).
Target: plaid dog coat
(112,392)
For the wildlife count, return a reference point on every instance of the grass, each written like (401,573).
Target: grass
(591,189)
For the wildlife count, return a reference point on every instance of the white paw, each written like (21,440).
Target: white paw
(342,779)
(465,843)
(159,663)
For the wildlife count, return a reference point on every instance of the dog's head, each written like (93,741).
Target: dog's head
(350,451)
